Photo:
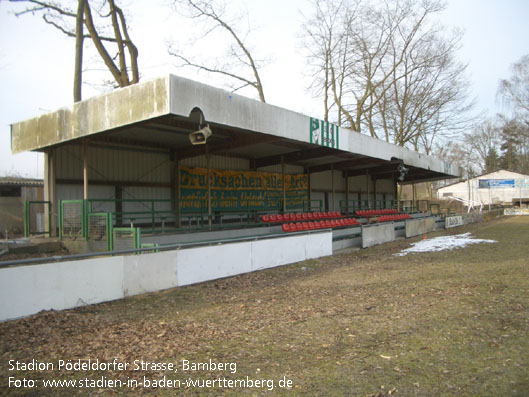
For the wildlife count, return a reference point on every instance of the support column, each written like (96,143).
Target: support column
(118,194)
(174,182)
(346,192)
(208,161)
(367,189)
(375,193)
(332,188)
(178,194)
(49,190)
(414,194)
(309,190)
(85,170)
(284,186)
(395,192)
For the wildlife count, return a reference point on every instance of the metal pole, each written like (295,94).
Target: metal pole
(332,187)
(309,204)
(520,195)
(284,186)
(209,186)
(367,188)
(85,170)
(375,193)
(346,193)
(178,195)
(51,187)
(414,194)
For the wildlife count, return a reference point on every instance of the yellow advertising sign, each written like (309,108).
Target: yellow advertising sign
(241,189)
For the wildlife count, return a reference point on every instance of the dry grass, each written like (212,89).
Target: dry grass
(360,323)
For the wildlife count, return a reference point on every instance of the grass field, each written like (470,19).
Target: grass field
(360,323)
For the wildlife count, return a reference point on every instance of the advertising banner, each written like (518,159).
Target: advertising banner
(453,221)
(516,211)
(240,190)
(522,183)
(496,183)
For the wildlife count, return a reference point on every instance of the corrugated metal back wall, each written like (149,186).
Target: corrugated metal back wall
(108,164)
(128,167)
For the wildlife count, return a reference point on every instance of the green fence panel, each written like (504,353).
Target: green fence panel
(124,238)
(72,218)
(100,231)
(36,214)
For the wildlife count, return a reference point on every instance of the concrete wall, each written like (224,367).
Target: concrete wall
(416,227)
(26,290)
(377,234)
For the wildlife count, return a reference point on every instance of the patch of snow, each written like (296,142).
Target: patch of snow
(443,243)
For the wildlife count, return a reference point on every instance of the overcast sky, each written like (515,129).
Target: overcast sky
(36,61)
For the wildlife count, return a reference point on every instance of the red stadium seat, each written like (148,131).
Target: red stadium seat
(298,216)
(285,227)
(312,226)
(299,226)
(265,218)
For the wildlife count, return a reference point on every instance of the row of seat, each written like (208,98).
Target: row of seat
(388,218)
(301,226)
(300,216)
(368,213)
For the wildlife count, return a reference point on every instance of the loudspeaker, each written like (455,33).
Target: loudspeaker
(403,171)
(200,137)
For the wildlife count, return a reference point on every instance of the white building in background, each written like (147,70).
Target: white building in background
(499,187)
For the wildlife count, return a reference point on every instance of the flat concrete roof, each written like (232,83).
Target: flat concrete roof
(158,114)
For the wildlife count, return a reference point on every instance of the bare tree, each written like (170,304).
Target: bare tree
(515,127)
(485,142)
(60,16)
(324,41)
(515,90)
(242,67)
(392,71)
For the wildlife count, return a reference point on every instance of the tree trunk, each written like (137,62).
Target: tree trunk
(79,41)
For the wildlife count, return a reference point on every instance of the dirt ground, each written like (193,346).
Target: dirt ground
(360,323)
